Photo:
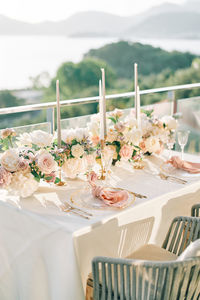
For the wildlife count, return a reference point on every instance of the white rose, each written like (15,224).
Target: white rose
(133,136)
(72,167)
(24,140)
(10,160)
(152,144)
(41,138)
(23,184)
(77,151)
(45,162)
(170,122)
(131,121)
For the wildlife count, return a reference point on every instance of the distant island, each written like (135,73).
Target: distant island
(164,21)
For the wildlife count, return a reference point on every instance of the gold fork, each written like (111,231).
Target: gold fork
(79,213)
(166,177)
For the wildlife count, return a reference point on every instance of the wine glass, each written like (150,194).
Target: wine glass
(183,139)
(170,142)
(107,157)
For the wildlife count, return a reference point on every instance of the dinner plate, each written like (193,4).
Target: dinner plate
(85,199)
(170,170)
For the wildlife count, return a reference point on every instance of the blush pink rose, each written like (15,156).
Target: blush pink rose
(5,177)
(126,152)
(45,162)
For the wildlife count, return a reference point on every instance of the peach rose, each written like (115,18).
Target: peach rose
(126,152)
(95,140)
(7,132)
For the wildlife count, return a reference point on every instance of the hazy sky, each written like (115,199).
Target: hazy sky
(40,10)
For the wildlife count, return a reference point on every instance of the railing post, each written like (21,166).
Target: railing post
(172,97)
(50,118)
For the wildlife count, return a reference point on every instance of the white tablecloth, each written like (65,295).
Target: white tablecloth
(45,254)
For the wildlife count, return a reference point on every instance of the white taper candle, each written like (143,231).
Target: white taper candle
(138,108)
(58,114)
(101,135)
(104,103)
(136,90)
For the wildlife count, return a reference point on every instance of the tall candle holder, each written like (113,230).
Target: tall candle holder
(103,171)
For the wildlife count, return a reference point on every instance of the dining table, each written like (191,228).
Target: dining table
(46,251)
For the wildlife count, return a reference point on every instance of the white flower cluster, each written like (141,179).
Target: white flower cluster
(78,134)
(37,137)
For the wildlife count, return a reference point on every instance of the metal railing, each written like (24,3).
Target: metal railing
(50,106)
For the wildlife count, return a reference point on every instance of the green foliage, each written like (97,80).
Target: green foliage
(122,55)
(75,77)
(7,99)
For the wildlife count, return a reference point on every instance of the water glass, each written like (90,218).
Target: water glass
(182,140)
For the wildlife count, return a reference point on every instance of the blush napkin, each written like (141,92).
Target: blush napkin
(190,167)
(116,199)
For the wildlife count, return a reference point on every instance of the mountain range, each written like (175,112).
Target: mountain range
(164,21)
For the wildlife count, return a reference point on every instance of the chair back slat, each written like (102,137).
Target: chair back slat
(182,232)
(195,211)
(122,281)
(116,282)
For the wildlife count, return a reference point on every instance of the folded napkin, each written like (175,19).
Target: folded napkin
(187,166)
(109,197)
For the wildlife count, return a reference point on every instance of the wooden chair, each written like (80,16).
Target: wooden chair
(131,279)
(195,211)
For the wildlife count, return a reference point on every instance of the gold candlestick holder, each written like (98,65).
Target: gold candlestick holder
(61,182)
(103,171)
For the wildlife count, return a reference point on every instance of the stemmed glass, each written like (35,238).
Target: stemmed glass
(182,140)
(107,157)
(170,142)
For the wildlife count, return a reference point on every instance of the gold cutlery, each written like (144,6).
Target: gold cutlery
(166,177)
(133,193)
(78,209)
(79,213)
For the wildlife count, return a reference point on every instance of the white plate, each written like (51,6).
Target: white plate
(170,170)
(85,199)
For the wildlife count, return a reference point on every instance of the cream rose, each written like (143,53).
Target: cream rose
(170,122)
(126,152)
(152,144)
(77,151)
(10,160)
(72,167)
(41,138)
(133,136)
(45,162)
